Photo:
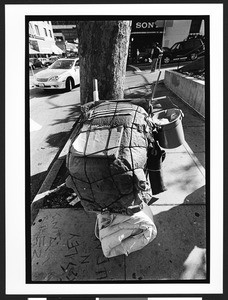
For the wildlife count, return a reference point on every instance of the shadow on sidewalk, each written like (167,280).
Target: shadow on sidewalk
(39,93)
(73,114)
(178,247)
(56,140)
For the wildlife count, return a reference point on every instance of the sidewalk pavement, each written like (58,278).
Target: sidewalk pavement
(64,247)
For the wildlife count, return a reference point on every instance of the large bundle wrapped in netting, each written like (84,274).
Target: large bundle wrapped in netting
(108,156)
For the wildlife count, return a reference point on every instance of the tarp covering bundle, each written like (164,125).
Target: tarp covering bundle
(121,234)
(107,158)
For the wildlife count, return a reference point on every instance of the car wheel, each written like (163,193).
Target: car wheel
(166,59)
(69,84)
(193,56)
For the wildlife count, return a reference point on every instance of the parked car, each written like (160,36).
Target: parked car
(44,60)
(144,57)
(62,74)
(50,60)
(35,63)
(189,49)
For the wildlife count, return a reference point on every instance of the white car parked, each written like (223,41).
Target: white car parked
(62,74)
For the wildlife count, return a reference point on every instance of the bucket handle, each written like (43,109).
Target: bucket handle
(182,114)
(157,127)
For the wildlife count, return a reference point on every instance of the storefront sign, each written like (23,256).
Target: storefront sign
(145,25)
(148,26)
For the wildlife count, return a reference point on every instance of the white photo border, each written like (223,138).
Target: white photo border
(15,148)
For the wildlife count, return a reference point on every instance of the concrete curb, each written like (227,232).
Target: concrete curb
(38,201)
(194,158)
(45,188)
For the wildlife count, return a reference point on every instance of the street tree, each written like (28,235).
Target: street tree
(103,51)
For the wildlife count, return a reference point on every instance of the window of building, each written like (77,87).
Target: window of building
(195,26)
(63,22)
(37,30)
(50,33)
(30,29)
(45,31)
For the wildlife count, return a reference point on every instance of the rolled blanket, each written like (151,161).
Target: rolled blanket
(121,234)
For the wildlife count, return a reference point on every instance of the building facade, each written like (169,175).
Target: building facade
(178,30)
(145,33)
(66,37)
(41,39)
(60,37)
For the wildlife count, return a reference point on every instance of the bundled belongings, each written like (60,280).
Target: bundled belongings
(107,159)
(121,234)
(111,160)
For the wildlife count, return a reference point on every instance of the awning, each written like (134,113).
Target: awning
(56,49)
(31,51)
(71,47)
(45,47)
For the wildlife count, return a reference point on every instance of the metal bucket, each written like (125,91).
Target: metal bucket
(170,129)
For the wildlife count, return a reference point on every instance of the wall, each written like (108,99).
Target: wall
(44,42)
(175,31)
(41,25)
(190,90)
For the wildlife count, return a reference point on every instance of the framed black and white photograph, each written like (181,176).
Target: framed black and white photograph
(114,138)
(73,187)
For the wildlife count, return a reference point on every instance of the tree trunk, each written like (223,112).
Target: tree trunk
(103,51)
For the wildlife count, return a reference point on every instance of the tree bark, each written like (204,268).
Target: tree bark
(103,51)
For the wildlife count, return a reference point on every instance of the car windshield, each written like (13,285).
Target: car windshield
(176,46)
(62,64)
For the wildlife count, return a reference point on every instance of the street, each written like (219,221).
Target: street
(52,115)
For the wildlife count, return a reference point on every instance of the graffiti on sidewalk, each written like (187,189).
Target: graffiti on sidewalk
(64,249)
